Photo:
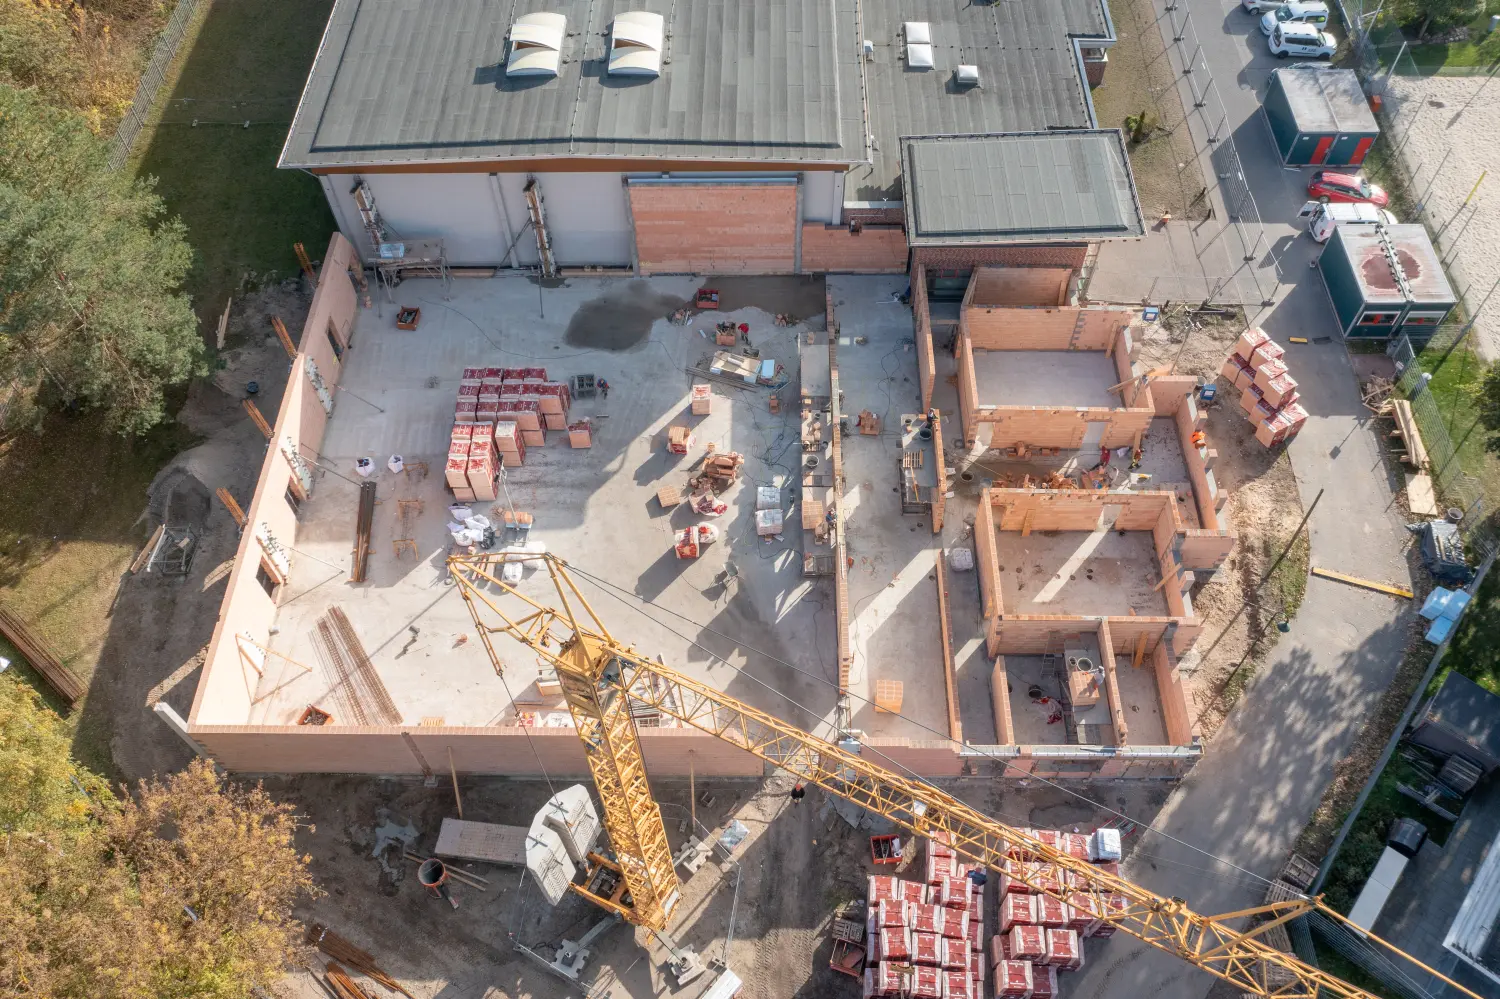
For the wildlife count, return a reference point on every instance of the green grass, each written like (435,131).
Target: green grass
(245,59)
(1338,965)
(1366,840)
(1479,50)
(1455,385)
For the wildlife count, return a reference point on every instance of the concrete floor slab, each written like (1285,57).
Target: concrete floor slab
(764,637)
(1079,572)
(1038,721)
(892,592)
(1141,699)
(1045,378)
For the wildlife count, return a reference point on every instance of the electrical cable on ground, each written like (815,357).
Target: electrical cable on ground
(942,735)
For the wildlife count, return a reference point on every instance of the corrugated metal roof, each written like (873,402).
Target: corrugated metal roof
(410,81)
(1468,712)
(1026,186)
(1030,77)
(1324,99)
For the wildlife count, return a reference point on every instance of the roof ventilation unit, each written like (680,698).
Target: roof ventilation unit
(966,76)
(635,43)
(918,44)
(536,44)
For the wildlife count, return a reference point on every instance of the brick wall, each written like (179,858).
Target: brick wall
(1045,426)
(1005,726)
(1205,485)
(715,228)
(922,333)
(968,390)
(1045,286)
(1112,686)
(1206,549)
(1169,688)
(945,631)
(1093,69)
(834,249)
(892,214)
(1042,328)
(1070,255)
(1077,509)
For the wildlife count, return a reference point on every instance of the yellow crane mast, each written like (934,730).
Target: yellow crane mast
(600,678)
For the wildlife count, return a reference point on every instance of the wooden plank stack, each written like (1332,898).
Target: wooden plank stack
(41,657)
(1268,392)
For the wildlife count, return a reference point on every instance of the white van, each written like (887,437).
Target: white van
(1322,218)
(1313,12)
(1297,39)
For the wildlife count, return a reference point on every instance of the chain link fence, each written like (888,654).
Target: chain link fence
(1207,104)
(162,57)
(1456,487)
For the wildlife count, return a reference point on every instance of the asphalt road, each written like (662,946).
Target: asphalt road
(1268,766)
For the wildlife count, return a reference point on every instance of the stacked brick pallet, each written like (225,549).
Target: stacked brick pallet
(926,940)
(500,413)
(1268,392)
(1042,935)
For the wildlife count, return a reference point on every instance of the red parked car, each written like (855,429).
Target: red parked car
(1328,186)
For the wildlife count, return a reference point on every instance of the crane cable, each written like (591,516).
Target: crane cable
(942,735)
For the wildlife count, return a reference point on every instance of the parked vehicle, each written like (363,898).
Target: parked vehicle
(1313,12)
(1294,39)
(1329,186)
(1321,218)
(1260,6)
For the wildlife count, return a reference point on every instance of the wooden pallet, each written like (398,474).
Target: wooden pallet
(41,657)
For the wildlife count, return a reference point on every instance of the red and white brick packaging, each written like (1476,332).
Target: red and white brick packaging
(1045,876)
(1027,943)
(999,949)
(1043,981)
(1009,883)
(1051,912)
(1075,846)
(892,912)
(1064,950)
(1268,351)
(1013,980)
(959,985)
(976,932)
(915,892)
(926,983)
(956,925)
(1016,908)
(881,887)
(977,964)
(1112,902)
(939,868)
(896,944)
(929,949)
(1081,917)
(1281,391)
(884,979)
(940,844)
(1285,424)
(954,892)
(1268,371)
(1249,340)
(1236,369)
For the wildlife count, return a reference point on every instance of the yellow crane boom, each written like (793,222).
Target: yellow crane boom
(600,678)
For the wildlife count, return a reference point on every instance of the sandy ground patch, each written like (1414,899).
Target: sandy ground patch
(1448,141)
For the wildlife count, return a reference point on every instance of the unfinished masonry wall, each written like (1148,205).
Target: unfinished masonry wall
(922,330)
(228,682)
(1037,328)
(1048,286)
(835,249)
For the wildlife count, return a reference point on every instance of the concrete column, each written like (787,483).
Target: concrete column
(174,721)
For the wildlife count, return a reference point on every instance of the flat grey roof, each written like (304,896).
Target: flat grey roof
(1467,711)
(1324,99)
(1030,78)
(1019,187)
(1409,246)
(417,81)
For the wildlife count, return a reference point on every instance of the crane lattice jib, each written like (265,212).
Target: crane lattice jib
(586,656)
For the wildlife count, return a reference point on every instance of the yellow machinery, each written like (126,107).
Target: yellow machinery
(602,677)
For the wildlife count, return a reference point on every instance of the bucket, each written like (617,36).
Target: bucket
(433,874)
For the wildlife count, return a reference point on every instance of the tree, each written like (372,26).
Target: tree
(1430,13)
(183,889)
(91,311)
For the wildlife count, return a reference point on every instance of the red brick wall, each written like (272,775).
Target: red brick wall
(872,250)
(1021,285)
(715,228)
(877,216)
(1037,328)
(926,357)
(1041,255)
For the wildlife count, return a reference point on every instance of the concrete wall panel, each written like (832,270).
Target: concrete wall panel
(458,207)
(586,218)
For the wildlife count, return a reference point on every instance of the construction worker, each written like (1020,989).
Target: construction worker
(798,792)
(1200,439)
(1135,458)
(603,388)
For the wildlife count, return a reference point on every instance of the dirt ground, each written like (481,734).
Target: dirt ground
(159,628)
(766,910)
(1264,510)
(1140,77)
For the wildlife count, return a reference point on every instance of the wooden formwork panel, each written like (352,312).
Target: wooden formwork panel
(715,228)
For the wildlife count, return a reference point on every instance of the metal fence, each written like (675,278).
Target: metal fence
(1206,104)
(1374,959)
(1455,487)
(152,79)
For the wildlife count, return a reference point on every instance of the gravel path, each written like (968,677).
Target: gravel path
(1433,119)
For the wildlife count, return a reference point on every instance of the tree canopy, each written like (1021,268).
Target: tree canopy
(91,271)
(182,889)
